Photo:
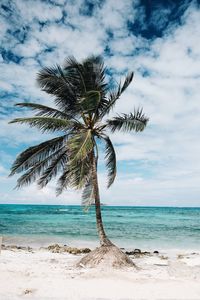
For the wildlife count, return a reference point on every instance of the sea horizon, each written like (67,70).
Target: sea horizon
(103,204)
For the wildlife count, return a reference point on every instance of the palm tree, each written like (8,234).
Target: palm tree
(82,100)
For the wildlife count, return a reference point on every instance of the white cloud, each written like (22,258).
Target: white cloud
(30,10)
(6,86)
(167,152)
(32,194)
(31,48)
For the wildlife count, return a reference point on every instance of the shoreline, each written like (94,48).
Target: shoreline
(33,242)
(107,205)
(134,253)
(92,245)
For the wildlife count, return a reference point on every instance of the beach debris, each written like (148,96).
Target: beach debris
(1,239)
(164,257)
(137,252)
(56,248)
(146,253)
(130,252)
(161,265)
(133,252)
(15,247)
(82,265)
(155,252)
(53,260)
(11,247)
(27,291)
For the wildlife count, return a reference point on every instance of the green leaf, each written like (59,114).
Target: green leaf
(35,154)
(78,166)
(91,82)
(128,122)
(90,101)
(62,85)
(63,181)
(88,195)
(80,145)
(43,110)
(79,173)
(75,175)
(115,95)
(110,158)
(46,124)
(57,164)
(36,170)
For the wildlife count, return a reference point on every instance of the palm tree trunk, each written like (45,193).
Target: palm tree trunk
(104,241)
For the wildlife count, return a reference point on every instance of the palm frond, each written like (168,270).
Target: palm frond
(36,170)
(75,175)
(80,145)
(115,95)
(46,124)
(91,74)
(62,85)
(88,194)
(75,72)
(30,176)
(35,154)
(63,181)
(43,110)
(53,81)
(80,173)
(94,73)
(57,164)
(128,122)
(110,158)
(90,101)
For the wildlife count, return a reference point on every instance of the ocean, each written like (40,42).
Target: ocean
(147,228)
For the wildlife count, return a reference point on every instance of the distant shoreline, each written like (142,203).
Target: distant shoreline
(103,204)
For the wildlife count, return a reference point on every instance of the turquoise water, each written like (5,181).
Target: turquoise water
(138,227)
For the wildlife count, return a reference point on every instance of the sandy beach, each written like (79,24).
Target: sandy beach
(42,274)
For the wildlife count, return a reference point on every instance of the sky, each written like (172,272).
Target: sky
(157,39)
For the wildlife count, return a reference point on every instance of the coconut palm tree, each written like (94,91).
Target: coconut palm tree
(82,99)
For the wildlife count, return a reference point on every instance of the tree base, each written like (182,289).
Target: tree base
(106,256)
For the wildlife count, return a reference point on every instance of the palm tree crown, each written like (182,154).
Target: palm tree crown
(82,99)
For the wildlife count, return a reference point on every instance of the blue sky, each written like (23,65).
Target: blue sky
(159,41)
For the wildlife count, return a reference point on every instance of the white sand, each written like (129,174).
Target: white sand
(45,275)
